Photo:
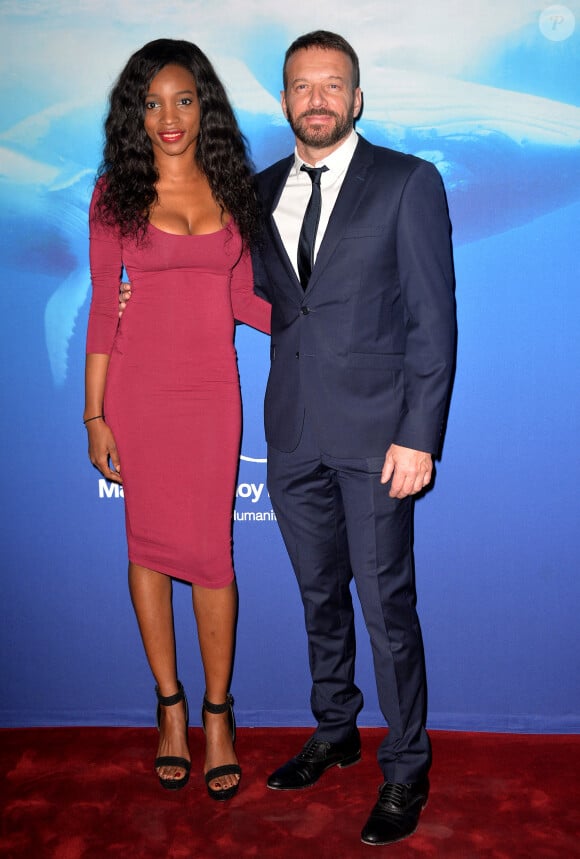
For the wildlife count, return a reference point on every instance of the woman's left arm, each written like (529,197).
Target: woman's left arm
(246,305)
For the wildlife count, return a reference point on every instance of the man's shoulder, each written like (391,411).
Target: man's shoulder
(274,170)
(382,155)
(391,165)
(366,153)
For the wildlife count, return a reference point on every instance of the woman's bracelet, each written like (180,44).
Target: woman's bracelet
(96,418)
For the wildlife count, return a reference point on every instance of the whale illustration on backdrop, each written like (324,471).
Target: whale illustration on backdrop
(506,159)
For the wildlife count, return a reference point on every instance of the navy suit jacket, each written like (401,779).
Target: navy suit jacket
(367,350)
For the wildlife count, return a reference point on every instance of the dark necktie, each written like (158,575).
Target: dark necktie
(309,226)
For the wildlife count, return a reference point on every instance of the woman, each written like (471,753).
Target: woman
(175,206)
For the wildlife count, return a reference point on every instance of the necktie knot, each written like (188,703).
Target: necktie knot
(307,237)
(314,172)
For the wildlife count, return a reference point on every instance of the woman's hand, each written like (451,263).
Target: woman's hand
(124,296)
(103,450)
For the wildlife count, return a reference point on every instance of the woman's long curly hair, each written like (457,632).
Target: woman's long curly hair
(128,165)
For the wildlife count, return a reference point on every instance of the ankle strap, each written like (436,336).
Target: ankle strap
(215,709)
(170,700)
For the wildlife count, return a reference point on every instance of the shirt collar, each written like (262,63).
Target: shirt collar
(337,161)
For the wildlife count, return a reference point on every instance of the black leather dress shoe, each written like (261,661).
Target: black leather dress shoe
(316,757)
(396,814)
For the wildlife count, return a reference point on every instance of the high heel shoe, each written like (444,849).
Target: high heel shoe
(226,769)
(172,760)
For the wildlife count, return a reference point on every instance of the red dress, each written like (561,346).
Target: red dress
(172,396)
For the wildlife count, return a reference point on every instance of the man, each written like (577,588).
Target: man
(362,353)
(363,339)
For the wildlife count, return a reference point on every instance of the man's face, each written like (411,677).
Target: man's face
(319,101)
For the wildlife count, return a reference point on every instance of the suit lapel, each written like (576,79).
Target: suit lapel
(352,189)
(271,196)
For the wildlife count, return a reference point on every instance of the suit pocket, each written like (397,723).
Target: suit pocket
(364,230)
(369,360)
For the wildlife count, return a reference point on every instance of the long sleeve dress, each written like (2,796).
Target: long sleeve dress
(172,395)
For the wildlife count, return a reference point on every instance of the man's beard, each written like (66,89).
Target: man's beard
(323,136)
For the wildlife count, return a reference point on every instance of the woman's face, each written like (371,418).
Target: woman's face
(172,114)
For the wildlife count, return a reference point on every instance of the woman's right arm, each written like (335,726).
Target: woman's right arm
(102,448)
(106,265)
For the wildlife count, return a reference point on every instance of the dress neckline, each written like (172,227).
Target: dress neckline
(190,235)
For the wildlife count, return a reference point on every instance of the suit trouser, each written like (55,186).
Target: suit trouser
(338,522)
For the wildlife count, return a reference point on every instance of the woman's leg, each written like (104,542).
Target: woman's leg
(215,613)
(151,595)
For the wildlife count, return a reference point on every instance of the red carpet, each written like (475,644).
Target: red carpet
(90,793)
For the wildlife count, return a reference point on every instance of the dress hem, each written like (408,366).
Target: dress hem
(181,576)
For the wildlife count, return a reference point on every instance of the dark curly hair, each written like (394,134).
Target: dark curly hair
(128,164)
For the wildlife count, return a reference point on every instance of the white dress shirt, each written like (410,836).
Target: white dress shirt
(289,212)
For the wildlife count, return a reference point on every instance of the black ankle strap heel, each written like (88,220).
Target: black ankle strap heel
(226,769)
(173,760)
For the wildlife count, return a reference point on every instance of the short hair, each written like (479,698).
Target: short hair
(328,41)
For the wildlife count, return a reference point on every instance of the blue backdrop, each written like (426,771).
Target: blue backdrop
(489,92)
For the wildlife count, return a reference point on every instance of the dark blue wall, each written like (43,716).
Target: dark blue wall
(490,100)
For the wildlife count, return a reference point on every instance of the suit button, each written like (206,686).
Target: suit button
(304,311)
(298,355)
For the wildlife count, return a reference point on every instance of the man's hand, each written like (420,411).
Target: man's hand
(124,296)
(410,470)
